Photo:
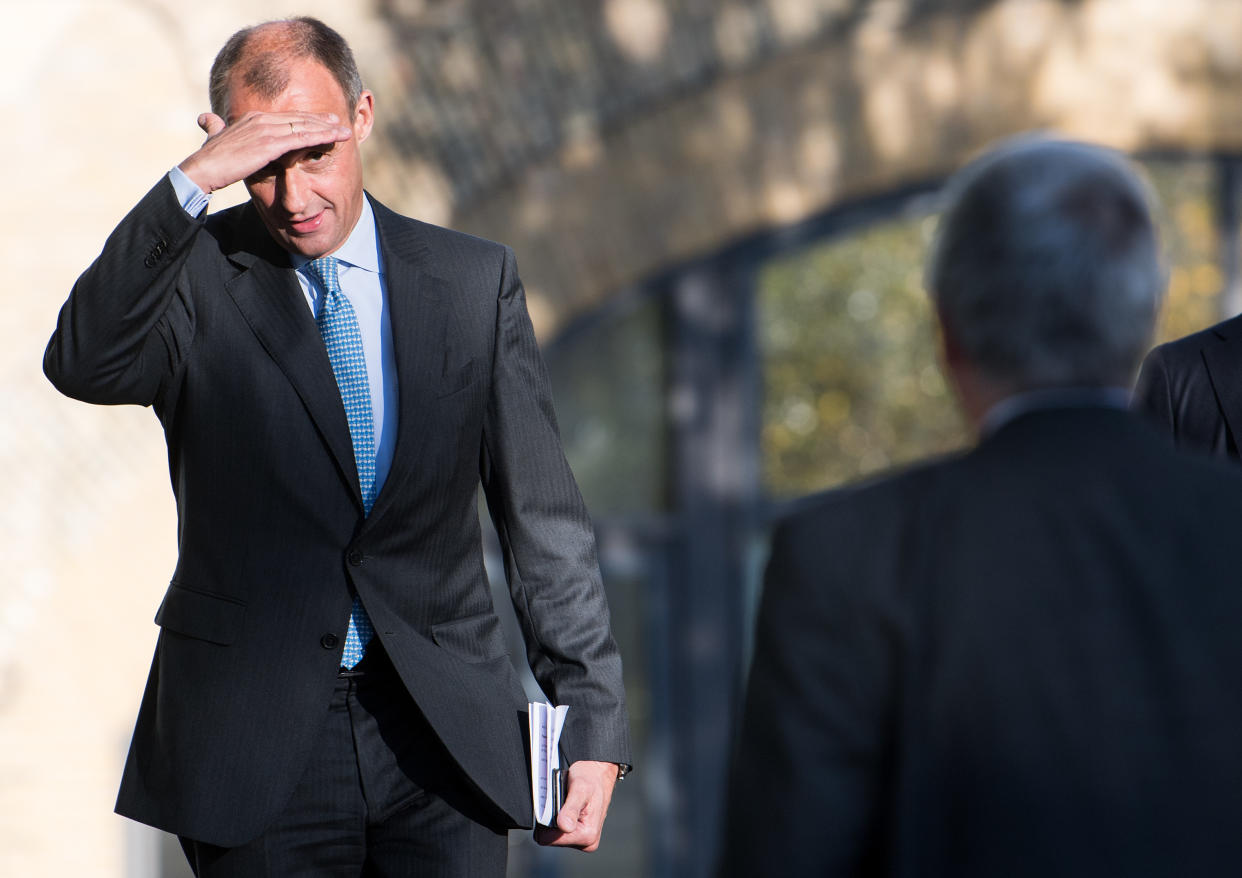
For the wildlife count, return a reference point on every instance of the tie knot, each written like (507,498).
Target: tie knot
(324,270)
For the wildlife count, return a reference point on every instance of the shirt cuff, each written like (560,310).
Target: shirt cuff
(193,199)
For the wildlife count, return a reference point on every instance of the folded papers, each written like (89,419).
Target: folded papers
(546,780)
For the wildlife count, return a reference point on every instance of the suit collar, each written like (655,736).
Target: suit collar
(423,331)
(1223,361)
(1229,330)
(1043,398)
(1064,432)
(399,235)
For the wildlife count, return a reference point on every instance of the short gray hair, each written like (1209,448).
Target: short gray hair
(1046,268)
(266,72)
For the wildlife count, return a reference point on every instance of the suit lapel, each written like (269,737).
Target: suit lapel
(421,317)
(1225,370)
(268,296)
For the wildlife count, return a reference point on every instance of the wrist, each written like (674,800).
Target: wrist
(194,174)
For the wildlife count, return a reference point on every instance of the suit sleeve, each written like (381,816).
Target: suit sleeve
(548,541)
(808,778)
(127,321)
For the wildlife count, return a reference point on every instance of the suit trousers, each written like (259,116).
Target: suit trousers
(381,798)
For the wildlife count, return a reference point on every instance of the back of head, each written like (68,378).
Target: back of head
(259,55)
(1046,269)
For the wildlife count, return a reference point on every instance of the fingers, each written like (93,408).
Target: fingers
(278,133)
(584,839)
(576,811)
(577,822)
(298,125)
(235,151)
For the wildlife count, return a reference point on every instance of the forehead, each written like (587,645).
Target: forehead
(311,89)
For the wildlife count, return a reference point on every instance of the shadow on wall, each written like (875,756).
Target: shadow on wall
(606,142)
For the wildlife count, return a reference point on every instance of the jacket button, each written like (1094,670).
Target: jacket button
(329,641)
(355,558)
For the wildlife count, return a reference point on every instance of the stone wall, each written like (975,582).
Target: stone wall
(895,97)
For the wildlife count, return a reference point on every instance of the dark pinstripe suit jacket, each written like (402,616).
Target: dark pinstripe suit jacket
(204,321)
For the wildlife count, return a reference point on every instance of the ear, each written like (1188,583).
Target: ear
(364,116)
(976,391)
(957,369)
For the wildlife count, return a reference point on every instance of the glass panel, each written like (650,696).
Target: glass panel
(850,376)
(608,380)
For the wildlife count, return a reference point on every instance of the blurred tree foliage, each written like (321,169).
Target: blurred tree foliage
(851,382)
(1184,192)
(851,379)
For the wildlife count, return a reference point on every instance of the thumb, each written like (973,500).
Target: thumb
(211,123)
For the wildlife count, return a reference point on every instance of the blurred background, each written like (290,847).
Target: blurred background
(720,209)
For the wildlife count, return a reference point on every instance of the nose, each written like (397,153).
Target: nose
(291,191)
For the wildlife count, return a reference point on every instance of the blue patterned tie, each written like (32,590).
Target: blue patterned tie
(339,327)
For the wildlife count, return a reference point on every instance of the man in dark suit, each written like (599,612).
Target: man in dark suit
(1192,387)
(1022,660)
(330,692)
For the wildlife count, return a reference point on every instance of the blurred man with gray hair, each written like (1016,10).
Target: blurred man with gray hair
(1023,659)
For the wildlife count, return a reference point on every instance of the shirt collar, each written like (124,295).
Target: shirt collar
(361,248)
(1019,404)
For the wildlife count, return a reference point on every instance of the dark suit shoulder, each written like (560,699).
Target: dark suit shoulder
(1185,351)
(239,229)
(227,222)
(431,241)
(892,488)
(868,531)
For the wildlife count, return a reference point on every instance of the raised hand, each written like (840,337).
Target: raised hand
(234,152)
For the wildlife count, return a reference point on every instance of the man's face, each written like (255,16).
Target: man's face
(309,199)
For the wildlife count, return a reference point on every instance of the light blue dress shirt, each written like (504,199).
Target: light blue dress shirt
(362,282)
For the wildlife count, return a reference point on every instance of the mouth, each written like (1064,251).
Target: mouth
(307,226)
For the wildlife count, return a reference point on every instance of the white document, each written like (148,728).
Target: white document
(546,723)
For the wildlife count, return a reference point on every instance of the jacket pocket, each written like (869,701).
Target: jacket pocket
(200,614)
(456,378)
(473,638)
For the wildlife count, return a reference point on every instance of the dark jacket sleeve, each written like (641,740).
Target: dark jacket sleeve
(548,541)
(127,322)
